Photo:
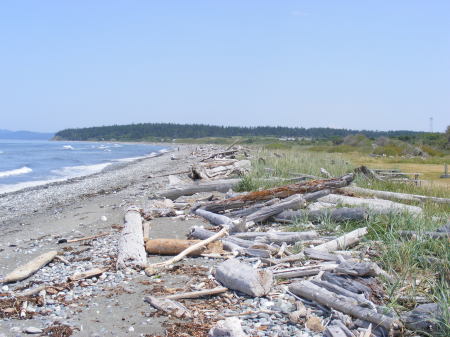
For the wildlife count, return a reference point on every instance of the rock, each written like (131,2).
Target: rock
(230,327)
(103,218)
(5,288)
(314,323)
(244,278)
(32,330)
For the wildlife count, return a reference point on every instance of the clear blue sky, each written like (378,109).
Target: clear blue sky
(354,64)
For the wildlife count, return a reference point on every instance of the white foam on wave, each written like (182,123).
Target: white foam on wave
(16,172)
(68,147)
(79,171)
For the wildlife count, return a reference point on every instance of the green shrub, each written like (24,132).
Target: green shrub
(389,150)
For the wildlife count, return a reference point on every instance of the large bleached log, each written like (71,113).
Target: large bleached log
(217,185)
(278,192)
(374,205)
(244,278)
(336,214)
(131,243)
(170,307)
(349,306)
(293,202)
(197,294)
(395,195)
(29,268)
(171,246)
(343,241)
(321,255)
(278,237)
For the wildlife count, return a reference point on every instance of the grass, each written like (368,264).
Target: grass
(421,267)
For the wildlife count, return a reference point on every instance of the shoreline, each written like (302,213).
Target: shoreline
(16,205)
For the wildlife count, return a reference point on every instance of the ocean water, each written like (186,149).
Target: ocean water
(26,163)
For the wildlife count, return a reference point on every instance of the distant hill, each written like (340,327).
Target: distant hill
(155,131)
(7,134)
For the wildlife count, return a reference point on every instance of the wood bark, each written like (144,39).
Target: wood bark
(217,185)
(343,241)
(395,195)
(312,292)
(87,274)
(131,251)
(171,246)
(293,202)
(336,214)
(374,205)
(29,268)
(197,294)
(279,192)
(278,237)
(244,278)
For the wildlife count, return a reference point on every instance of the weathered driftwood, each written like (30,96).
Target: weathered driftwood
(292,202)
(368,173)
(244,278)
(220,154)
(217,185)
(249,210)
(171,246)
(303,271)
(432,235)
(131,251)
(278,237)
(151,269)
(395,195)
(287,259)
(220,220)
(374,205)
(347,283)
(349,306)
(424,317)
(170,307)
(322,255)
(197,294)
(343,241)
(29,268)
(146,230)
(87,274)
(360,269)
(278,192)
(336,214)
(82,239)
(361,300)
(230,327)
(338,329)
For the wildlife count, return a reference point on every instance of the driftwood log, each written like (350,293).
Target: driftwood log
(131,243)
(220,220)
(87,274)
(374,205)
(395,195)
(277,237)
(197,294)
(217,185)
(336,214)
(343,241)
(303,271)
(29,268)
(278,192)
(170,307)
(346,305)
(244,278)
(292,202)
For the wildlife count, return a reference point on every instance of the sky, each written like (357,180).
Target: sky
(378,65)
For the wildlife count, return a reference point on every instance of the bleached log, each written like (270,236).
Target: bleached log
(146,230)
(29,268)
(395,195)
(131,251)
(346,305)
(432,235)
(219,220)
(197,294)
(293,202)
(87,274)
(322,255)
(343,241)
(252,209)
(278,192)
(244,278)
(278,237)
(170,307)
(374,205)
(217,185)
(336,214)
(303,271)
(347,283)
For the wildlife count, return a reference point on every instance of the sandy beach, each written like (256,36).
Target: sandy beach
(33,220)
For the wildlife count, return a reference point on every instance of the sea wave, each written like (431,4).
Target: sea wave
(16,172)
(68,147)
(79,171)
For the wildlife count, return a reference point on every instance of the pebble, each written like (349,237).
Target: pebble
(32,330)
(5,288)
